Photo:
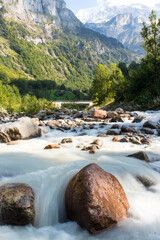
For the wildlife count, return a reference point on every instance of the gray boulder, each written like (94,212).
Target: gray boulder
(23,128)
(140,155)
(138,119)
(114,132)
(150,124)
(17,204)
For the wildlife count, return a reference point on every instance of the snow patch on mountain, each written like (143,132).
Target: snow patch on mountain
(105,12)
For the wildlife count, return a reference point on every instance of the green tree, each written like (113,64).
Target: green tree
(123,68)
(99,85)
(107,84)
(150,65)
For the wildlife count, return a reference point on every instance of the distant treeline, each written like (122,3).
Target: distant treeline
(49,89)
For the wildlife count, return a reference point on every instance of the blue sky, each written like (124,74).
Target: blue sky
(75,5)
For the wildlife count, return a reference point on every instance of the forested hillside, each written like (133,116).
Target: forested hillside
(67,58)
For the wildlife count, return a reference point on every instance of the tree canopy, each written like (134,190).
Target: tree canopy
(108,81)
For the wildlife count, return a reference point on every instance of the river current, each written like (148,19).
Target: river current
(49,171)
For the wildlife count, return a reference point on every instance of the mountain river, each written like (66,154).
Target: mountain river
(49,171)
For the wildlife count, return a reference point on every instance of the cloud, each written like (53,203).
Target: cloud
(149,3)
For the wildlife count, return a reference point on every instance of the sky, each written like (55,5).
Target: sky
(76,5)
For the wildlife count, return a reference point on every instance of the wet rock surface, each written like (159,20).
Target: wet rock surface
(138,119)
(52,146)
(66,140)
(127,129)
(147,130)
(130,127)
(116,119)
(17,204)
(23,128)
(113,132)
(98,142)
(140,155)
(147,182)
(99,114)
(95,199)
(150,124)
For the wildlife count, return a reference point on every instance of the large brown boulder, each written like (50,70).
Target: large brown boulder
(95,199)
(17,204)
(102,114)
(23,128)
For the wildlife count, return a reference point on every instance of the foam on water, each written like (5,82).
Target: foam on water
(48,173)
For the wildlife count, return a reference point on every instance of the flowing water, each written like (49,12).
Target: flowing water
(49,171)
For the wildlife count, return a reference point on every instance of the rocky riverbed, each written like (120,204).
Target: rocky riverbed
(47,150)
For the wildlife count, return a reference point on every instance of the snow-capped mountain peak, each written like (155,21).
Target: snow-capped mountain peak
(107,11)
(120,19)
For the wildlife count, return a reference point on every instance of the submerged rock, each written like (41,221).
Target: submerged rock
(52,146)
(150,124)
(67,140)
(95,199)
(17,204)
(125,139)
(140,155)
(115,126)
(147,182)
(102,135)
(24,128)
(116,119)
(12,143)
(132,139)
(127,129)
(138,119)
(147,130)
(93,149)
(98,142)
(86,148)
(78,115)
(115,139)
(114,132)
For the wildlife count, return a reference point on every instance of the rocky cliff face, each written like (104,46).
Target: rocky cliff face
(42,11)
(123,27)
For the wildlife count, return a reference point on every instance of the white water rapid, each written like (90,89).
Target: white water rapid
(48,172)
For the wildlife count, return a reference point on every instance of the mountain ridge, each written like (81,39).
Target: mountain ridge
(123,27)
(123,22)
(42,11)
(50,50)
